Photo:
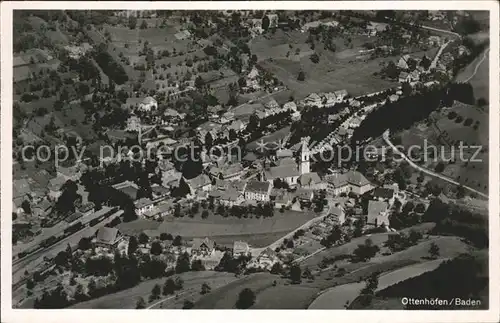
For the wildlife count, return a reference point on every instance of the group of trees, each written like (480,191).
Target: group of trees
(110,67)
(409,215)
(232,264)
(333,237)
(406,111)
(453,219)
(401,241)
(365,251)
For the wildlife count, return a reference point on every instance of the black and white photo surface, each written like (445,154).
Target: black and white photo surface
(251,159)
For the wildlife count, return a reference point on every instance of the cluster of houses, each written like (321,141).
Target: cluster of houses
(108,240)
(327,99)
(42,188)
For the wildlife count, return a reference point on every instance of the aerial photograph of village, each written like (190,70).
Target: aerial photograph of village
(250,159)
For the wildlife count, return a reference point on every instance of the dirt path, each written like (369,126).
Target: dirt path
(476,68)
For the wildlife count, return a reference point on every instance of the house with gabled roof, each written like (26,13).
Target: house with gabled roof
(201,182)
(404,77)
(55,185)
(311,181)
(240,248)
(267,258)
(351,181)
(337,212)
(143,205)
(313,100)
(108,237)
(384,194)
(281,198)
(258,191)
(378,213)
(403,62)
(42,208)
(202,247)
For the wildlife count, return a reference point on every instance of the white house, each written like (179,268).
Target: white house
(351,181)
(258,191)
(148,104)
(143,205)
(340,95)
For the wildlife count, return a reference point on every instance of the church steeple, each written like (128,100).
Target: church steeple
(304,157)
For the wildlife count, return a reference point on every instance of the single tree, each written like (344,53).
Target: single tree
(434,250)
(156,248)
(132,245)
(302,76)
(295,274)
(246,299)
(205,289)
(187,305)
(140,303)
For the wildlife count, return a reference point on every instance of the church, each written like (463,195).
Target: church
(287,169)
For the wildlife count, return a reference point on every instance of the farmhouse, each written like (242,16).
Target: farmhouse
(258,191)
(403,62)
(267,258)
(202,247)
(290,106)
(240,248)
(313,100)
(108,237)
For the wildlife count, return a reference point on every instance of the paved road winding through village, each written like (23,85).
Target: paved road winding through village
(426,171)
